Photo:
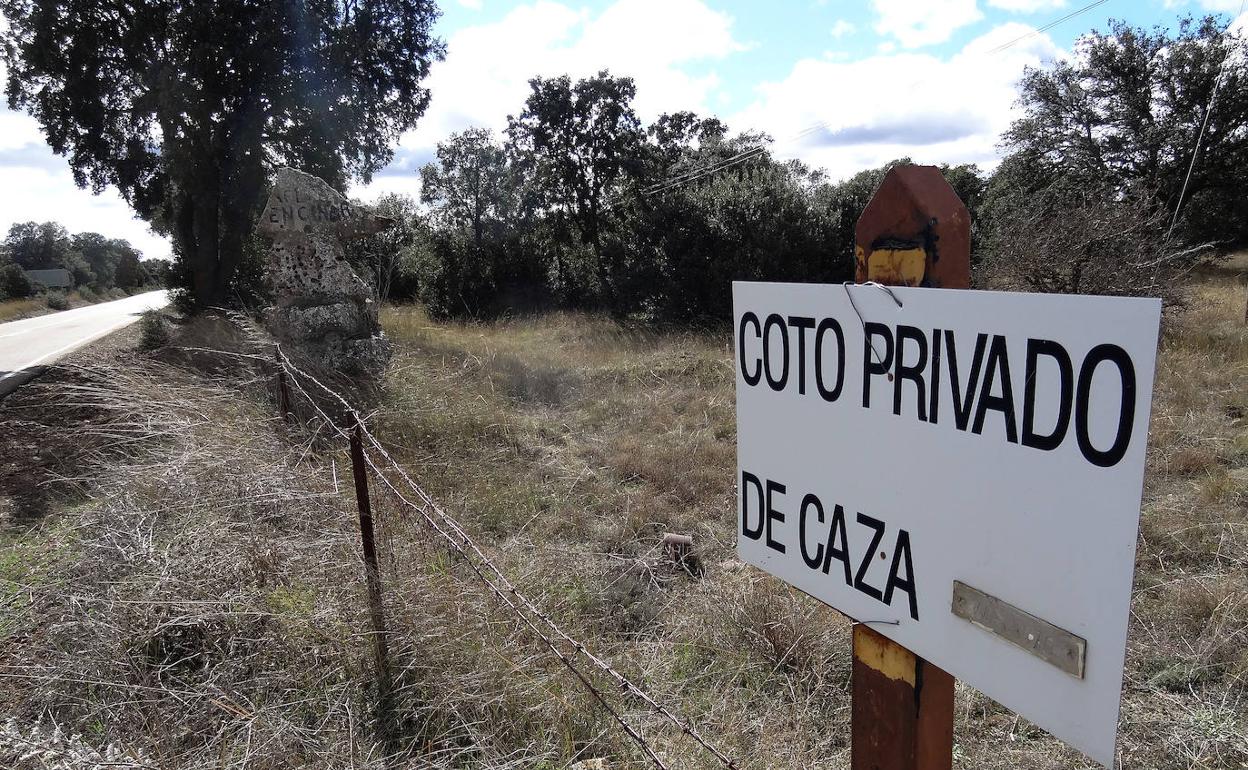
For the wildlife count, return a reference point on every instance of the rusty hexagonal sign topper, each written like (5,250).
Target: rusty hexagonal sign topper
(914,232)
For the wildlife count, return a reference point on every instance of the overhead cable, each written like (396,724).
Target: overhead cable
(1217,85)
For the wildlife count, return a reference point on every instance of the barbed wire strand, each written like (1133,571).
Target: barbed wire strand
(431,505)
(499,585)
(455,545)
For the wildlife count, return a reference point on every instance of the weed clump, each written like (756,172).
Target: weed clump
(153,330)
(56,300)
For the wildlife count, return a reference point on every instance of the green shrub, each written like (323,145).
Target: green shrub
(13,283)
(153,330)
(57,300)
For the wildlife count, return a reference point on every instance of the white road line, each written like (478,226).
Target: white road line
(69,322)
(58,322)
(71,346)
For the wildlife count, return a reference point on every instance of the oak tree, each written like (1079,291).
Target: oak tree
(186,106)
(577,143)
(1126,112)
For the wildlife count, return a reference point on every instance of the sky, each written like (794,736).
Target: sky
(840,85)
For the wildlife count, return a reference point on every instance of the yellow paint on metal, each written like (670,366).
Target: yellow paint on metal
(886,656)
(897,267)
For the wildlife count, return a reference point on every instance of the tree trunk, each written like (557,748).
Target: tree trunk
(204,249)
(214,226)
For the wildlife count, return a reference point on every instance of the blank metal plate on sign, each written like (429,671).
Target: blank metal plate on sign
(1046,641)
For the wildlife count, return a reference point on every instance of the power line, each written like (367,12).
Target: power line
(1217,85)
(1047,27)
(716,167)
(690,176)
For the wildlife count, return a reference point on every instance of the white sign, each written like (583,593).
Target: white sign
(894,442)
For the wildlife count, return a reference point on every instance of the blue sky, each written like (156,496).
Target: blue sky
(840,85)
(777,33)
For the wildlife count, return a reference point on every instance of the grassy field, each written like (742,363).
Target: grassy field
(186,585)
(575,444)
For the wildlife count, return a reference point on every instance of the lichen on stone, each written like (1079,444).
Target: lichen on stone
(321,309)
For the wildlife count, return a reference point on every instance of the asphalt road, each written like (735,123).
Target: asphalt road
(27,345)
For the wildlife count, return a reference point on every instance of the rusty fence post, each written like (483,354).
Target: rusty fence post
(914,232)
(372,576)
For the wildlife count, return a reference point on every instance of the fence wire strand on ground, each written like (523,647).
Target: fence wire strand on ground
(486,572)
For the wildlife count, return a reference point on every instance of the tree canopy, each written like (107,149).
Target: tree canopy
(93,260)
(1124,115)
(186,106)
(578,142)
(581,205)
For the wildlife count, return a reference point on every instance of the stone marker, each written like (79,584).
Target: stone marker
(322,310)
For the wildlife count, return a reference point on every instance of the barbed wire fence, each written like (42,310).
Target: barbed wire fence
(292,381)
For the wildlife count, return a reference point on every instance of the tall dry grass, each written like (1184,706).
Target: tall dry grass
(14,309)
(640,440)
(190,594)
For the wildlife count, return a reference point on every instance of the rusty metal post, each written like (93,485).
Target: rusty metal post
(914,232)
(283,395)
(902,711)
(372,576)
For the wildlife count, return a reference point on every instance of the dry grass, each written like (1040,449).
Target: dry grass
(640,441)
(14,309)
(17,309)
(1188,656)
(195,595)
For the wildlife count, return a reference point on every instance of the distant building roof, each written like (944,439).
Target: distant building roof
(57,278)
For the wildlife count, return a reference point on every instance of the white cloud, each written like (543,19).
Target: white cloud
(846,116)
(40,195)
(1027,6)
(403,184)
(18,130)
(916,23)
(38,187)
(842,28)
(487,69)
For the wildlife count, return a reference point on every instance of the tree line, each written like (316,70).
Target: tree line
(578,203)
(652,223)
(94,262)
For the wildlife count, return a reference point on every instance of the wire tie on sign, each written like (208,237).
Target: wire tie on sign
(881,622)
(886,289)
(861,321)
